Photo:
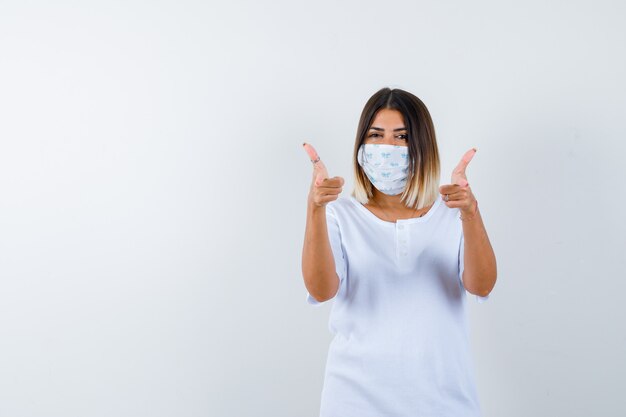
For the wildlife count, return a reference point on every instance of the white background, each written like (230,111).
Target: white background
(153,193)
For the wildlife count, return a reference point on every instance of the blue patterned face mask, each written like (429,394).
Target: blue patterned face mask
(386,166)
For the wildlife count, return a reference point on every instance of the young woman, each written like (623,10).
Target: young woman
(397,257)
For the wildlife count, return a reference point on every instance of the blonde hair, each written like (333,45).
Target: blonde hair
(422,186)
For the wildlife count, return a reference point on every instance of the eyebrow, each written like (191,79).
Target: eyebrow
(382,130)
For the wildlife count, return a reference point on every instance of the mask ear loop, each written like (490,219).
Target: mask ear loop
(363,156)
(359,156)
(361,160)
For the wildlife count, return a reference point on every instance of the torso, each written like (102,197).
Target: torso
(401,334)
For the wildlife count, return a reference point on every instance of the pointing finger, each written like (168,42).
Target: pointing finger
(334,182)
(449,188)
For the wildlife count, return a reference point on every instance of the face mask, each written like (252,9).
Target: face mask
(386,166)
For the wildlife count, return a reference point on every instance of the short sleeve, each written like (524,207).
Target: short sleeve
(334,235)
(478,298)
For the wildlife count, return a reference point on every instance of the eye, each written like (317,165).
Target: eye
(374,134)
(405,137)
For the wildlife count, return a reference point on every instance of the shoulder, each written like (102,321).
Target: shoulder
(342,207)
(450,214)
(346,209)
(452,220)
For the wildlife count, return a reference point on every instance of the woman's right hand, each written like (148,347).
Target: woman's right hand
(323,189)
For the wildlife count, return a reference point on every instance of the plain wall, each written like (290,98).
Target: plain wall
(153,195)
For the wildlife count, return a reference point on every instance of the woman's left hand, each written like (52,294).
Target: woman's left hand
(459,193)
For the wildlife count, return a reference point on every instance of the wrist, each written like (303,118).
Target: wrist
(315,208)
(471,213)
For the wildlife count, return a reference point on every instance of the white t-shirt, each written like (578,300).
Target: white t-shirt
(401,339)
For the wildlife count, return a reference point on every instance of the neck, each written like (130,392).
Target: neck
(391,202)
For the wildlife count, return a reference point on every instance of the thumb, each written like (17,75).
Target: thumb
(319,169)
(462,182)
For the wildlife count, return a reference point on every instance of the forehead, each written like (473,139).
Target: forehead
(388,118)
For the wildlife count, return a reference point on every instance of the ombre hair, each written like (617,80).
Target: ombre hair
(422,185)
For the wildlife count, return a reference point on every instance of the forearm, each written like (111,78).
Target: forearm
(318,264)
(479,274)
